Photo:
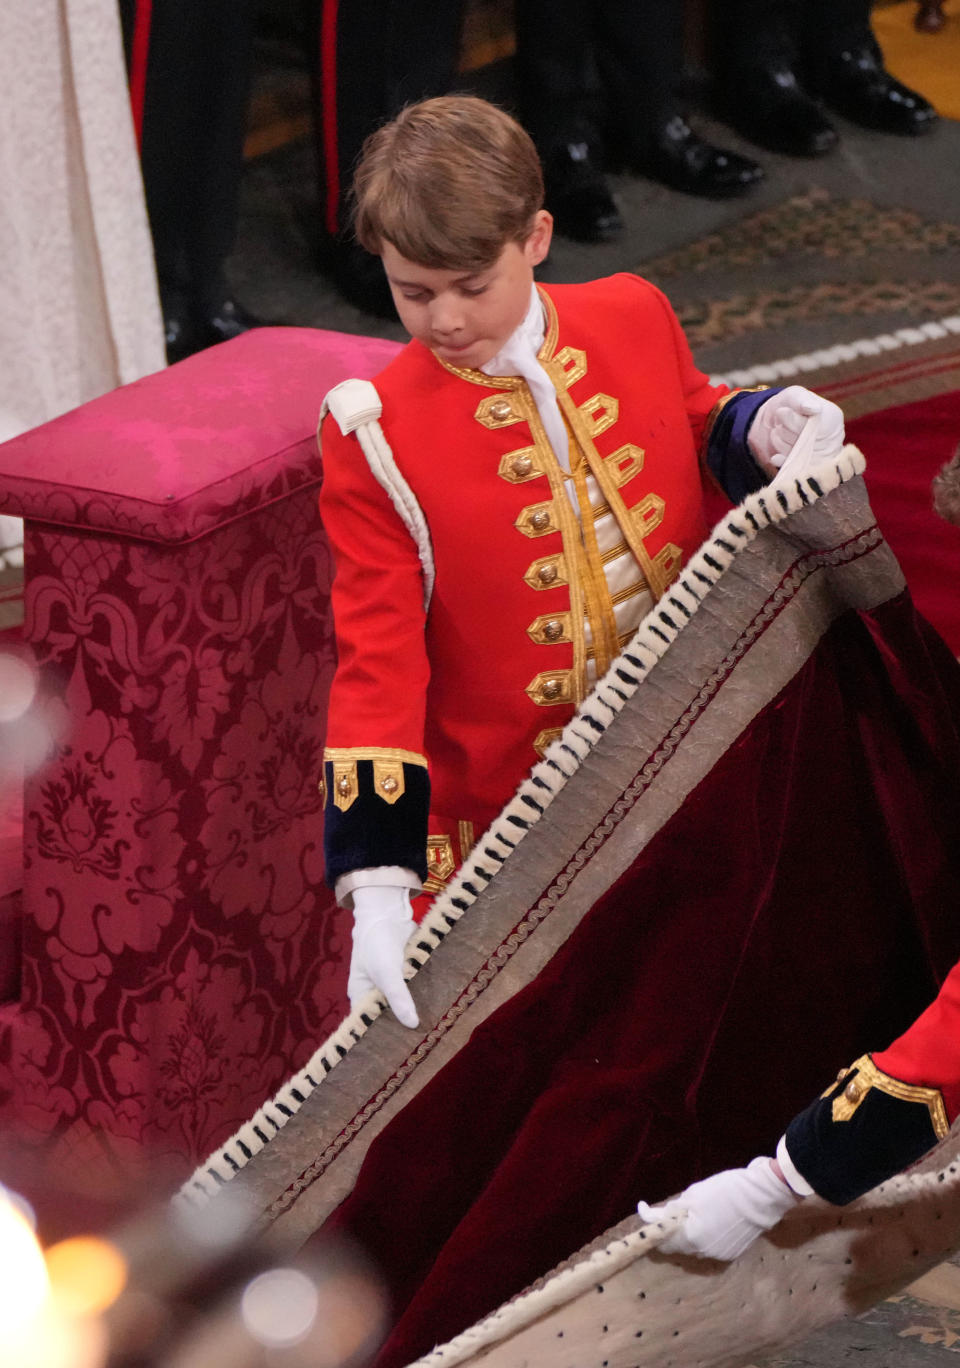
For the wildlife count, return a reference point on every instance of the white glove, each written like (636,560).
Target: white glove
(382,925)
(726,1212)
(779,421)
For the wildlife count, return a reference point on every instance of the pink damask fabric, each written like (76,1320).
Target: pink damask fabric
(180,955)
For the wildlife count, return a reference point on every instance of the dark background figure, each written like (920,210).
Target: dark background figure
(598,85)
(778,62)
(190,64)
(372,57)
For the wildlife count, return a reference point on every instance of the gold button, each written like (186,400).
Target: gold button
(540,520)
(553,630)
(522,465)
(343,785)
(547,574)
(389,785)
(501,411)
(852,1092)
(552,688)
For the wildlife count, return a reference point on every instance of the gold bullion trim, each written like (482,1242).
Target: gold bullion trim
(511,382)
(604,404)
(337,754)
(496,411)
(526,518)
(388,781)
(573,362)
(558,560)
(545,738)
(466,837)
(648,513)
(608,488)
(625,462)
(345,785)
(668,560)
(507,472)
(550,687)
(537,631)
(603,625)
(869,1076)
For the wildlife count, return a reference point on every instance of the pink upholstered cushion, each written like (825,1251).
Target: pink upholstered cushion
(182,451)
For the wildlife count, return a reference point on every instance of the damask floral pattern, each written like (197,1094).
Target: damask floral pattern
(181,954)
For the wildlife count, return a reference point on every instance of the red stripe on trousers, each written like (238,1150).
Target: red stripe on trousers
(328,111)
(139,50)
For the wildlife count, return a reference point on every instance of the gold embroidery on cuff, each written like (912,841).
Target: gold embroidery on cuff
(344,753)
(550,628)
(548,572)
(866,1075)
(546,738)
(625,462)
(345,786)
(536,520)
(551,687)
(322,788)
(388,780)
(601,412)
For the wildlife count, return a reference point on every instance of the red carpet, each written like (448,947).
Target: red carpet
(905,447)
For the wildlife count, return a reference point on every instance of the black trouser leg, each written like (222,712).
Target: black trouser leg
(556,76)
(194,119)
(372,58)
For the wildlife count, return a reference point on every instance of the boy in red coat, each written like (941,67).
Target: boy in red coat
(505,504)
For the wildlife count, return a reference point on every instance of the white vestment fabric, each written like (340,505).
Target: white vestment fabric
(80,313)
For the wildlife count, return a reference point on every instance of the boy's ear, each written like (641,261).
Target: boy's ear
(537,244)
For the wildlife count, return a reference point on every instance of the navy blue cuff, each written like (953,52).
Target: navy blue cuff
(728,455)
(373,832)
(843,1159)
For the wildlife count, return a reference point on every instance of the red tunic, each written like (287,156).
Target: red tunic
(482,682)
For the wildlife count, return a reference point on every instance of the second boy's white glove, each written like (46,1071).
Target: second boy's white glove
(726,1212)
(778,423)
(382,925)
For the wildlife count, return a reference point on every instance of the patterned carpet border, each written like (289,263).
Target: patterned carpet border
(874,372)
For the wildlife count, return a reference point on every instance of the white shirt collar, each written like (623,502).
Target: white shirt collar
(525,341)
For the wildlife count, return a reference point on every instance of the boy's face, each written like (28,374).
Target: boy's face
(466,316)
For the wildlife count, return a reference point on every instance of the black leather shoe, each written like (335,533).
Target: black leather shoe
(855,83)
(767,105)
(680,158)
(578,196)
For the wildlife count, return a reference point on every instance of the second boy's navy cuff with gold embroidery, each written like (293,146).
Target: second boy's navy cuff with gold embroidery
(865,1128)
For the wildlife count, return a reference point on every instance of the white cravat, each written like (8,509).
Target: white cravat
(518,356)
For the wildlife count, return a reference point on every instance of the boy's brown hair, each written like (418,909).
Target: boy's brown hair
(449,182)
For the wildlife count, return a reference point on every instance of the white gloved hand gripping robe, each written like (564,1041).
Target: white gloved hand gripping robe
(795,429)
(726,1212)
(382,925)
